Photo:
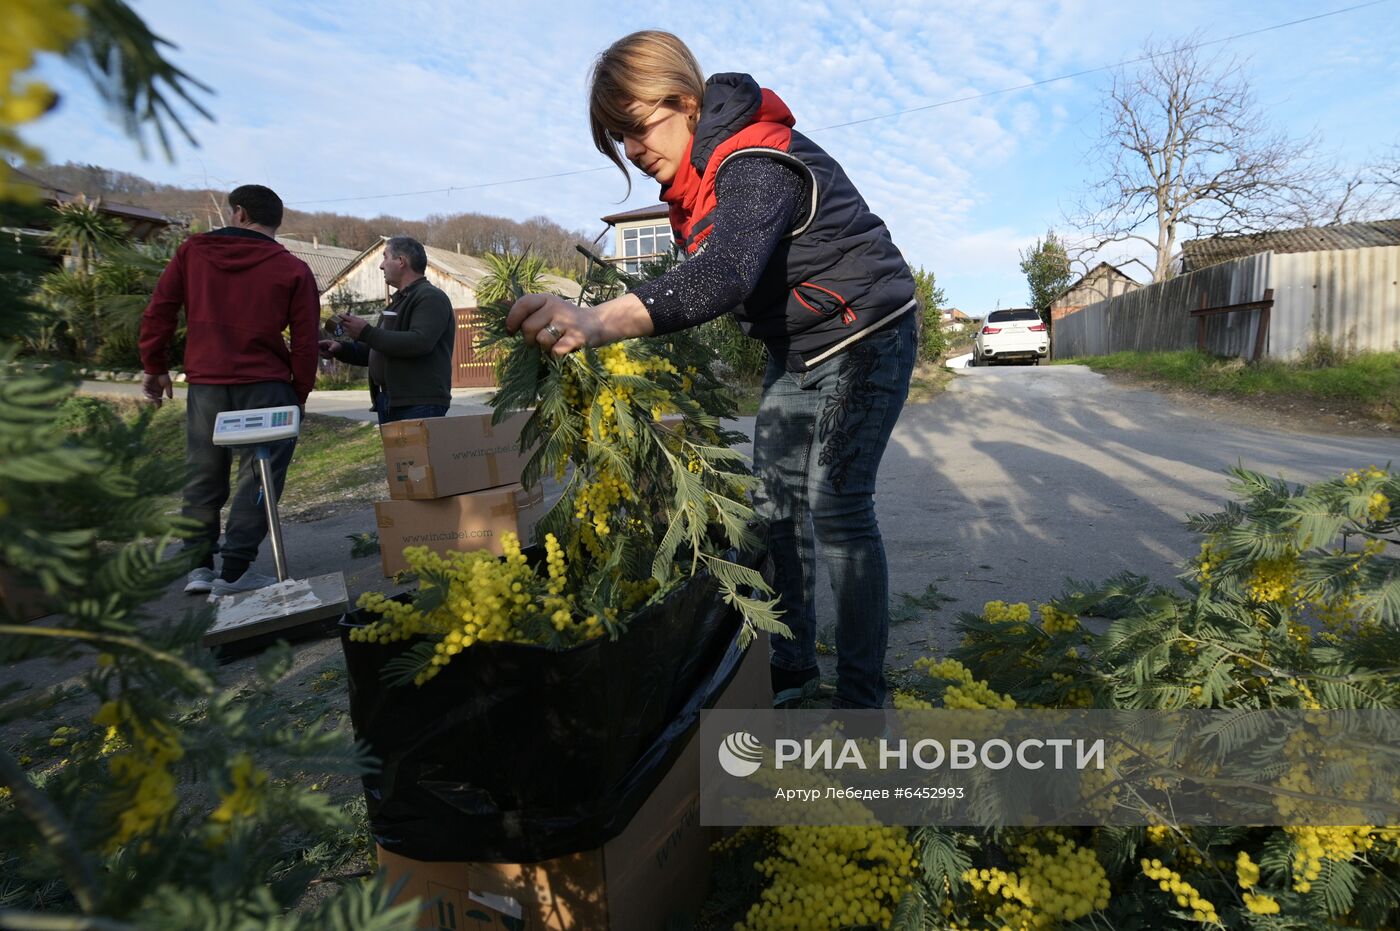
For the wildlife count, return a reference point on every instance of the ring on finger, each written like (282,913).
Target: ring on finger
(553,330)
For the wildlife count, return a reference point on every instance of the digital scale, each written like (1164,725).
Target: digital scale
(291,607)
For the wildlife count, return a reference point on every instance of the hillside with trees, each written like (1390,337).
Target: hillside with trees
(474,233)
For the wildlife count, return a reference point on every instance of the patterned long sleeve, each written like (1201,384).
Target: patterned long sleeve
(757,203)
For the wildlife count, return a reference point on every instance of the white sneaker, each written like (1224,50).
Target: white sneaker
(246,582)
(201,582)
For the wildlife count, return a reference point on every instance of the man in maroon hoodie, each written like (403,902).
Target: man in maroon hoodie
(241,290)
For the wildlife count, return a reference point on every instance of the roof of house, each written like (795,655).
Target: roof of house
(143,221)
(326,261)
(1200,253)
(1091,273)
(468,269)
(656,212)
(46,190)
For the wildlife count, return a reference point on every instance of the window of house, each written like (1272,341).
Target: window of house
(641,244)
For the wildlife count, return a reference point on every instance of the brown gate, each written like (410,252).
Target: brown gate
(470,367)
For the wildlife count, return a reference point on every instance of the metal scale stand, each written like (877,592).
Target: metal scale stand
(292,607)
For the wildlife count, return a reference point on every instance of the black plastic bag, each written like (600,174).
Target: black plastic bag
(515,753)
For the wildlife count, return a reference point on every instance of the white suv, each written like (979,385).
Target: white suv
(1017,334)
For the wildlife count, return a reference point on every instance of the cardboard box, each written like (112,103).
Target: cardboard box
(440,456)
(657,868)
(472,521)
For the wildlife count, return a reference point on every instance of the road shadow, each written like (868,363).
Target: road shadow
(1005,486)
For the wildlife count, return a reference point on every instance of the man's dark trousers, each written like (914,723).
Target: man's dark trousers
(207,481)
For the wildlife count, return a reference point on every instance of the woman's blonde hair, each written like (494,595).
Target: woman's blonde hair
(651,67)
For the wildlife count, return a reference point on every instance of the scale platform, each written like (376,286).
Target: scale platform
(281,611)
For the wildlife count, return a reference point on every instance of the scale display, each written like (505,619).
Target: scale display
(258,425)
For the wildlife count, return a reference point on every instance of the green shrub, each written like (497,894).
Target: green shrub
(84,417)
(333,375)
(1292,603)
(742,356)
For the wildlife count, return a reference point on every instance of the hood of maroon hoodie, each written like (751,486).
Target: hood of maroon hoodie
(235,253)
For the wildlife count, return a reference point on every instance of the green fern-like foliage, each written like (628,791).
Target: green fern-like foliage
(1289,605)
(509,274)
(646,418)
(177,793)
(165,799)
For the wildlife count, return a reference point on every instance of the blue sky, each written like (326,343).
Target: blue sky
(331,99)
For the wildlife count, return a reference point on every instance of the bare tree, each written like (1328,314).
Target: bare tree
(1186,153)
(1353,199)
(1384,179)
(1371,192)
(1388,170)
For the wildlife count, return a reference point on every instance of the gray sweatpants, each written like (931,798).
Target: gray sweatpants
(208,466)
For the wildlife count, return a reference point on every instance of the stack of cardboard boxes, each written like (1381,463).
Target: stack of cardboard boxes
(454,484)
(653,875)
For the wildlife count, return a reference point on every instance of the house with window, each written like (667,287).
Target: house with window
(640,236)
(954,320)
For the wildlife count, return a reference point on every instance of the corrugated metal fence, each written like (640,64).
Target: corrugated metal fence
(1351,297)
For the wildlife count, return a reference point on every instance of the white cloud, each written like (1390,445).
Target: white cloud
(328,99)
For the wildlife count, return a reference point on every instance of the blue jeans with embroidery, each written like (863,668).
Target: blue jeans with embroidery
(818,442)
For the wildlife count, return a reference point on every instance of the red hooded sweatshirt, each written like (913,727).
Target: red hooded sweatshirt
(240,292)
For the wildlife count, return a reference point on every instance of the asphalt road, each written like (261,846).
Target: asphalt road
(1002,487)
(1019,477)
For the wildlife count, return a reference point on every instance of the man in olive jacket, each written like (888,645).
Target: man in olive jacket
(409,353)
